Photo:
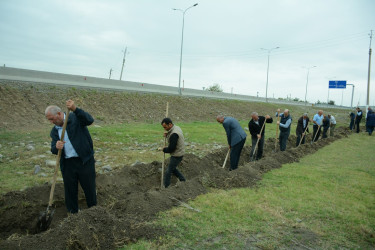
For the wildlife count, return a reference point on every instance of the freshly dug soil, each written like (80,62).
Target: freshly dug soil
(131,197)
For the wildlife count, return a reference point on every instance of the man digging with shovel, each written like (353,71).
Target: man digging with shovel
(284,126)
(77,161)
(176,147)
(236,138)
(318,122)
(257,134)
(302,129)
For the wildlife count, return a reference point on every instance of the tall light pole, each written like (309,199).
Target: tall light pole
(110,73)
(351,105)
(123,62)
(368,75)
(182,42)
(307,81)
(268,67)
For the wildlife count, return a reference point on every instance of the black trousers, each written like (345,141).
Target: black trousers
(315,130)
(172,169)
(370,129)
(299,136)
(357,125)
(351,124)
(74,171)
(259,152)
(235,153)
(283,138)
(325,130)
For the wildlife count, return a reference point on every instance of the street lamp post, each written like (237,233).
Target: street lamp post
(182,43)
(307,81)
(268,67)
(351,105)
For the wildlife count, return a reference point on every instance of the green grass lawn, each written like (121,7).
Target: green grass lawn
(325,201)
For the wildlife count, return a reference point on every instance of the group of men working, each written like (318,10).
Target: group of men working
(236,136)
(77,163)
(356,117)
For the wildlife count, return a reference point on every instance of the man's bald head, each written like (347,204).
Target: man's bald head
(220,118)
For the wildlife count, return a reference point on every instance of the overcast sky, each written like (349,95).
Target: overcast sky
(222,43)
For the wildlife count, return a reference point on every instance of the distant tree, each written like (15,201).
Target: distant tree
(215,88)
(296,99)
(318,102)
(331,102)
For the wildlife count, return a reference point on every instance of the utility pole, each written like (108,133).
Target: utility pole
(368,75)
(351,105)
(110,73)
(307,81)
(182,43)
(123,62)
(268,68)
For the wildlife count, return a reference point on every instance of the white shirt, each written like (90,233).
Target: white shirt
(333,120)
(68,147)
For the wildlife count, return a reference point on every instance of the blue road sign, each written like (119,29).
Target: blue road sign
(337,85)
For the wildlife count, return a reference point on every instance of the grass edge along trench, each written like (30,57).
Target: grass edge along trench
(324,201)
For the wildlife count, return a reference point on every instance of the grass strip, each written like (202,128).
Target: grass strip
(324,201)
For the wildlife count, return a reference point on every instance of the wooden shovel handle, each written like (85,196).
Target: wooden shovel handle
(277,130)
(226,158)
(165,144)
(256,145)
(57,165)
(304,133)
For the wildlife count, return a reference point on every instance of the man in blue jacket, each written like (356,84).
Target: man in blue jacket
(236,138)
(77,161)
(370,121)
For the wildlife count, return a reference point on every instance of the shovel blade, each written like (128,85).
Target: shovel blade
(44,220)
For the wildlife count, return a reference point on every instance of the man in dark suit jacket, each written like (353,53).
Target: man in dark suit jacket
(77,161)
(326,125)
(236,138)
(255,126)
(302,126)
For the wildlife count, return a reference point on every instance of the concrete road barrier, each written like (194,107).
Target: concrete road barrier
(16,74)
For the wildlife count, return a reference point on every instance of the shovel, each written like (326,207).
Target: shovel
(315,134)
(226,158)
(165,143)
(45,217)
(304,133)
(256,145)
(277,131)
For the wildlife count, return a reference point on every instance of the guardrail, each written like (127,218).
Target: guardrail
(16,74)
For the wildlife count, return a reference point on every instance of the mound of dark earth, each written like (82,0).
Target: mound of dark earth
(130,198)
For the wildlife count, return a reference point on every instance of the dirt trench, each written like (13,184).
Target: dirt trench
(129,198)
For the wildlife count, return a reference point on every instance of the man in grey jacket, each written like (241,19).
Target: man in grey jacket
(236,138)
(176,147)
